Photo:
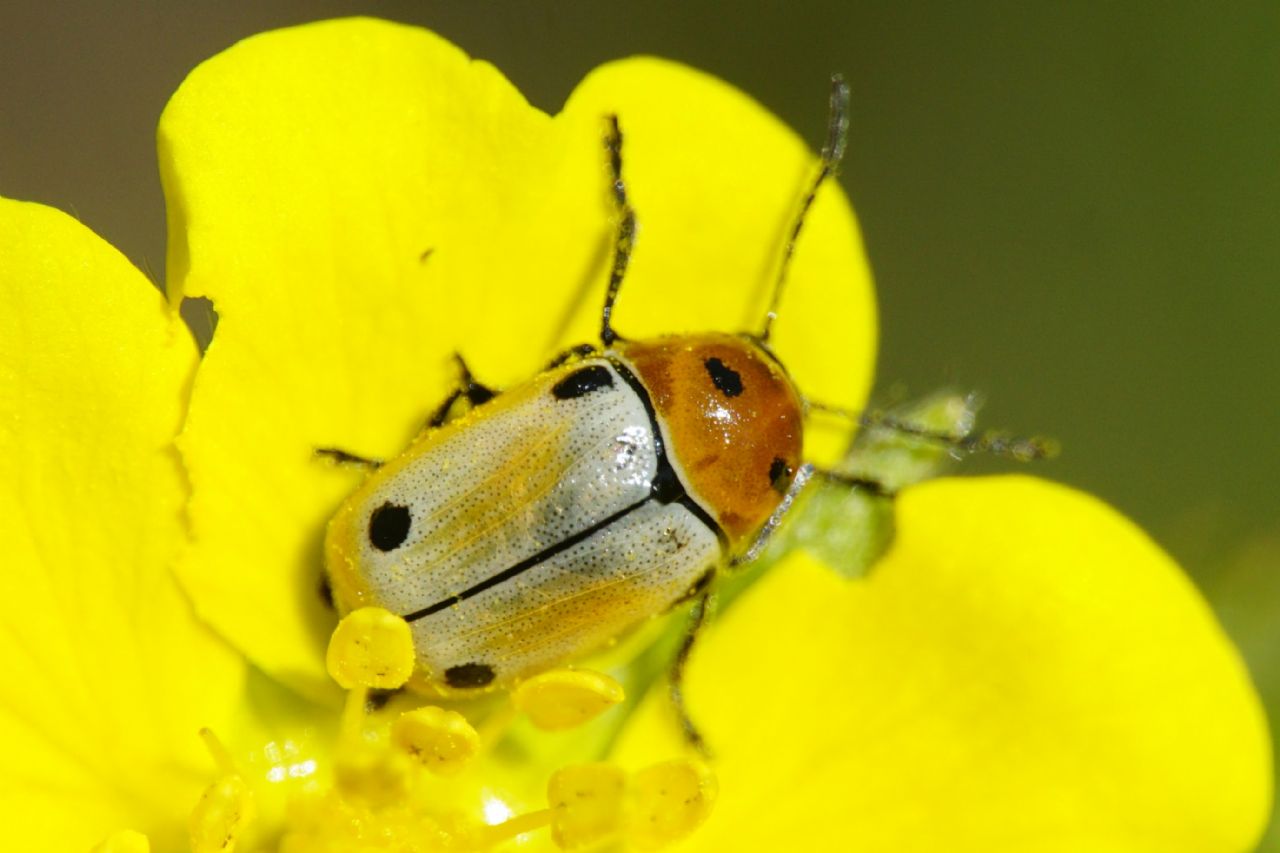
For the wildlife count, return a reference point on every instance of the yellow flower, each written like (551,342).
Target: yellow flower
(1023,670)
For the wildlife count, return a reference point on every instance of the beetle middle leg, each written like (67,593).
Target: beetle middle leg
(343,457)
(569,354)
(468,388)
(697,622)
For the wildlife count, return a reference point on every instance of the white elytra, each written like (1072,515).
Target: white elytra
(534,534)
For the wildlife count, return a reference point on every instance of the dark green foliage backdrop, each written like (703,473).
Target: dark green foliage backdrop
(1073,208)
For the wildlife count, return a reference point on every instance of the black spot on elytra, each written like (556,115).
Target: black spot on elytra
(389,526)
(326,590)
(725,377)
(377,698)
(780,474)
(583,381)
(469,675)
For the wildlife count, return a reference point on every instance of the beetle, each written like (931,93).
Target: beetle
(551,518)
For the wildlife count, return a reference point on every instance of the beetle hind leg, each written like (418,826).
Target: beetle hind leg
(698,616)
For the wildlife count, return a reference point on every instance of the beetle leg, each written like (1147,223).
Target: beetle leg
(468,387)
(577,351)
(342,457)
(875,488)
(697,621)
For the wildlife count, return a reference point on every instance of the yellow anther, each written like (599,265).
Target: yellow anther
(372,775)
(371,648)
(587,803)
(220,818)
(124,841)
(668,801)
(442,741)
(566,698)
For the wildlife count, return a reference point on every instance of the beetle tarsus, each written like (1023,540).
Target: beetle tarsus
(343,457)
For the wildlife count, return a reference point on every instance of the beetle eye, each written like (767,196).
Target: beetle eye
(389,526)
(724,377)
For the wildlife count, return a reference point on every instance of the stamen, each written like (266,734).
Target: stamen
(490,836)
(669,801)
(598,803)
(587,802)
(380,798)
(221,757)
(566,698)
(225,809)
(371,648)
(220,818)
(441,741)
(371,775)
(124,841)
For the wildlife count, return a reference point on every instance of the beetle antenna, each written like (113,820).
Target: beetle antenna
(832,153)
(625,240)
(1022,449)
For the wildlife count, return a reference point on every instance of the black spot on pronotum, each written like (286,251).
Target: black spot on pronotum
(780,474)
(468,675)
(583,381)
(389,526)
(725,377)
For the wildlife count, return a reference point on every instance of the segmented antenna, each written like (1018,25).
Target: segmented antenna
(832,153)
(625,240)
(1019,448)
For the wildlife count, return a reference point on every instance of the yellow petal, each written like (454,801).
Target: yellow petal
(360,200)
(1025,670)
(716,182)
(107,677)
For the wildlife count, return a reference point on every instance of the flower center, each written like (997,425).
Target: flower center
(385,790)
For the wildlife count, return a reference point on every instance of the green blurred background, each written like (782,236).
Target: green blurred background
(1072,208)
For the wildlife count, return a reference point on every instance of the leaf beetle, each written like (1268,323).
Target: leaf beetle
(556,515)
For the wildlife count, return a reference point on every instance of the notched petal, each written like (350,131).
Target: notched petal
(107,675)
(360,200)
